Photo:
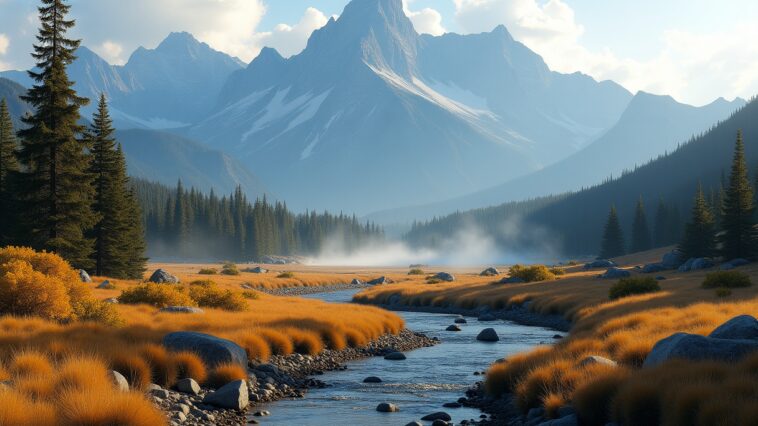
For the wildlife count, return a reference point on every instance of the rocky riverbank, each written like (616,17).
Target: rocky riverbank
(282,377)
(503,411)
(301,291)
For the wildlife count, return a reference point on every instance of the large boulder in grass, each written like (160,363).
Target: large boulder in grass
(743,327)
(182,310)
(211,349)
(444,276)
(695,347)
(734,263)
(489,272)
(696,264)
(380,281)
(672,259)
(162,277)
(84,276)
(232,396)
(511,280)
(599,263)
(652,268)
(615,273)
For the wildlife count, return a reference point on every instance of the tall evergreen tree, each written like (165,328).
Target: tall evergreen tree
(699,234)
(640,229)
(55,183)
(8,166)
(660,229)
(613,237)
(738,237)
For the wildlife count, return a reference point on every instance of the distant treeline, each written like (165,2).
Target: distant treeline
(188,224)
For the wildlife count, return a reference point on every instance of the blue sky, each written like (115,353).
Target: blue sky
(695,50)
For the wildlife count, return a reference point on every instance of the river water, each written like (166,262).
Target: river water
(419,385)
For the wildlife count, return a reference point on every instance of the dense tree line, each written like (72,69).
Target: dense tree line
(63,187)
(186,223)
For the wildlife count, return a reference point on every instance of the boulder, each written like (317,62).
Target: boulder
(106,285)
(232,396)
(380,281)
(696,264)
(489,272)
(112,300)
(453,328)
(444,276)
(511,280)
(734,263)
(118,380)
(672,259)
(188,385)
(356,281)
(162,277)
(487,335)
(211,349)
(652,268)
(695,347)
(84,276)
(386,407)
(460,321)
(257,270)
(452,405)
(439,422)
(486,317)
(372,379)
(182,310)
(597,360)
(395,356)
(743,327)
(599,263)
(414,423)
(440,415)
(615,273)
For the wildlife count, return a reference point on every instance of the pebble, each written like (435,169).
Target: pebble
(386,407)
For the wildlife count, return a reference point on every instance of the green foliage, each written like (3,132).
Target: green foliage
(158,295)
(230,268)
(738,238)
(612,244)
(208,271)
(98,311)
(251,295)
(8,166)
(416,271)
(640,229)
(203,283)
(531,273)
(210,296)
(699,235)
(727,279)
(286,275)
(633,286)
(558,271)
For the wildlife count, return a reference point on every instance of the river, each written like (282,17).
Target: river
(419,385)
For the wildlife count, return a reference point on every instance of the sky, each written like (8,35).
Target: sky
(694,50)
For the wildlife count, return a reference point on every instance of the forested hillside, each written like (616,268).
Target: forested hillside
(575,221)
(188,224)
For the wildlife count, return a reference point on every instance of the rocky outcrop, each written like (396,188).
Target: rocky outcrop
(672,259)
(257,270)
(453,328)
(211,349)
(743,327)
(233,396)
(160,276)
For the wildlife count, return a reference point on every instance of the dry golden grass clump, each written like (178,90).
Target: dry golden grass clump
(532,273)
(632,286)
(226,373)
(208,295)
(158,295)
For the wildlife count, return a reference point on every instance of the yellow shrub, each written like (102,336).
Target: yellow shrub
(209,296)
(158,295)
(532,273)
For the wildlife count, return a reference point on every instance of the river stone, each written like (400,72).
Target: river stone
(395,356)
(188,385)
(487,335)
(489,272)
(453,328)
(486,317)
(84,276)
(597,360)
(452,405)
(414,424)
(440,415)
(162,277)
(695,347)
(460,321)
(211,349)
(232,395)
(119,380)
(386,407)
(742,327)
(182,310)
(372,379)
(444,276)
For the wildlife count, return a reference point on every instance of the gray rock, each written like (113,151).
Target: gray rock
(182,310)
(356,281)
(696,348)
(257,270)
(511,280)
(160,393)
(596,359)
(570,420)
(152,386)
(615,273)
(599,263)
(380,281)
(444,276)
(743,327)
(652,268)
(268,368)
(211,349)
(386,407)
(460,321)
(453,328)
(439,422)
(112,300)
(487,335)
(106,285)
(440,415)
(262,413)
(372,379)
(181,408)
(734,263)
(119,380)
(490,272)
(180,417)
(672,259)
(696,264)
(84,276)
(395,356)
(452,405)
(162,277)
(486,317)
(232,395)
(188,385)
(414,424)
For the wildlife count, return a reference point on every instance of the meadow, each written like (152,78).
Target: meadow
(623,330)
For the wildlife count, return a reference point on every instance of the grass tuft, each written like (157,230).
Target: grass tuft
(727,279)
(226,373)
(633,286)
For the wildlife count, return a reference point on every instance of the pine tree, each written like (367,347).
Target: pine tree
(660,229)
(55,183)
(132,237)
(738,238)
(8,166)
(640,229)
(699,235)
(613,237)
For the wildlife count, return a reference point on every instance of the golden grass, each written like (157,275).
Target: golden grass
(189,365)
(624,330)
(226,373)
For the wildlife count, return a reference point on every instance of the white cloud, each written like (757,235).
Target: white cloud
(111,52)
(426,20)
(291,39)
(4,43)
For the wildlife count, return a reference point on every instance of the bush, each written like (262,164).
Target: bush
(416,271)
(286,275)
(433,280)
(226,373)
(203,283)
(158,295)
(208,271)
(98,311)
(213,297)
(532,273)
(727,279)
(633,285)
(230,268)
(251,295)
(557,271)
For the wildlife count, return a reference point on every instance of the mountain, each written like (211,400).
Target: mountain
(170,86)
(372,115)
(11,91)
(572,224)
(651,126)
